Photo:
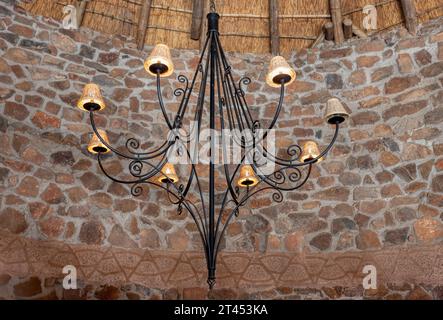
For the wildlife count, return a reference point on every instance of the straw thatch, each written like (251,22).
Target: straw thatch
(429,9)
(107,16)
(301,22)
(389,12)
(170,23)
(244,25)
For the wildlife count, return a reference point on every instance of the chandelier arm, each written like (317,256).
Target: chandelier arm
(256,123)
(222,127)
(203,225)
(197,118)
(160,101)
(235,111)
(185,202)
(150,155)
(199,69)
(178,120)
(241,112)
(205,220)
(277,111)
(241,94)
(225,195)
(269,181)
(188,185)
(190,207)
(136,168)
(230,92)
(237,107)
(290,163)
(227,68)
(179,91)
(94,128)
(133,143)
(223,58)
(123,155)
(201,228)
(277,196)
(235,92)
(202,93)
(228,106)
(99,160)
(294,151)
(172,201)
(229,101)
(232,112)
(226,97)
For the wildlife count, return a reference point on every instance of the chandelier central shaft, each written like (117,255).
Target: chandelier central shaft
(213,28)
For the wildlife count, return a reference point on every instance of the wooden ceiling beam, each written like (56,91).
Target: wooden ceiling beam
(329,31)
(410,13)
(143,23)
(197,19)
(204,27)
(273,27)
(321,36)
(337,20)
(347,28)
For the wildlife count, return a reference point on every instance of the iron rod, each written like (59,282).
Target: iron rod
(212,23)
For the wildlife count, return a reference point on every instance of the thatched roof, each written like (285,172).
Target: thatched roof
(244,25)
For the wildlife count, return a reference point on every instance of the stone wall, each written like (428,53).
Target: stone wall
(33,269)
(51,288)
(381,186)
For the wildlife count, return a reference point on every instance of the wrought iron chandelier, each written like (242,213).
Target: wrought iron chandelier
(228,109)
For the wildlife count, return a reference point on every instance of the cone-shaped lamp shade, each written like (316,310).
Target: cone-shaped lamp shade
(310,152)
(335,112)
(160,61)
(96,146)
(247,177)
(91,99)
(279,71)
(168,174)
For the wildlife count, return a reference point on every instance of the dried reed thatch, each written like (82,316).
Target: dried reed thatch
(170,23)
(107,16)
(113,16)
(429,9)
(301,22)
(389,12)
(244,23)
